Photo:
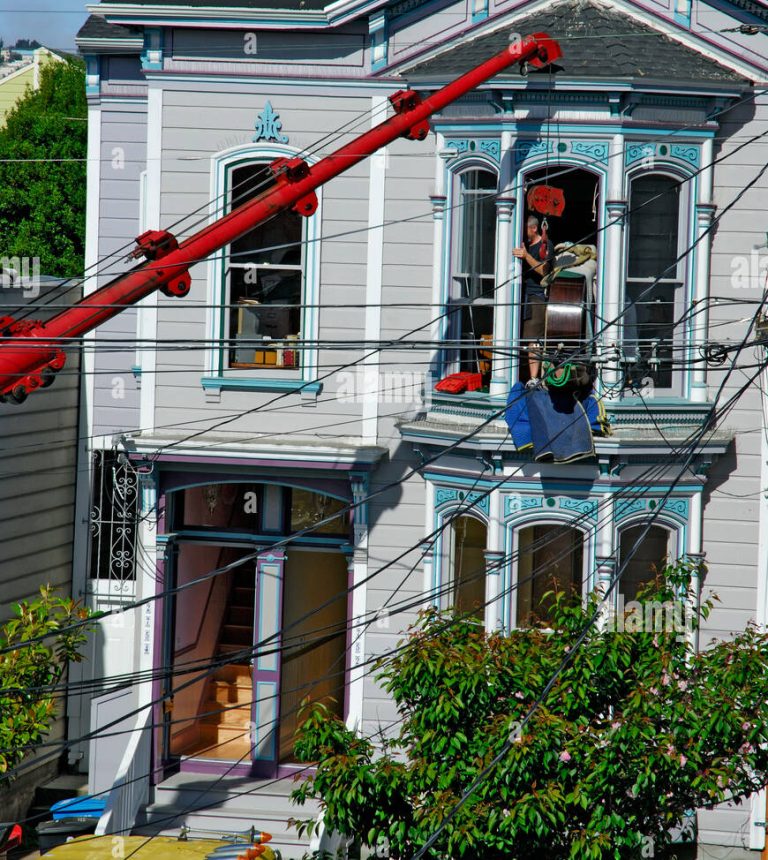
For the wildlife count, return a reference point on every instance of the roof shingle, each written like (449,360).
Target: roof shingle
(597,42)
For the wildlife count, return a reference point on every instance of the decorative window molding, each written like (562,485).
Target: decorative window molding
(300,375)
(469,287)
(658,282)
(268,126)
(454,497)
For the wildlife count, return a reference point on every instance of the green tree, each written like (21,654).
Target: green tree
(42,189)
(30,673)
(636,731)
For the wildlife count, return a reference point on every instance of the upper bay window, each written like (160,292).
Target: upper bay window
(265,281)
(473,271)
(655,279)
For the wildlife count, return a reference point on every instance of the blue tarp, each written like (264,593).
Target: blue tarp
(558,425)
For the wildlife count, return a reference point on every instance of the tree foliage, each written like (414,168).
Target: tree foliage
(29,673)
(637,731)
(42,199)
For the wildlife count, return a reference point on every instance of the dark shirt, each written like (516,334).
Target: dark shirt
(531,277)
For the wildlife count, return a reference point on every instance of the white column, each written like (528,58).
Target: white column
(503,336)
(494,559)
(504,370)
(373,283)
(438,199)
(757,837)
(605,557)
(611,302)
(146,580)
(358,568)
(705,210)
(429,553)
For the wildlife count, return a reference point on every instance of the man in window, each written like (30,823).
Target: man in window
(535,266)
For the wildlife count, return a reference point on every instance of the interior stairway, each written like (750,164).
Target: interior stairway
(224,728)
(214,805)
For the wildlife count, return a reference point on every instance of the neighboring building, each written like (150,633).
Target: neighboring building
(37,493)
(231,448)
(16,76)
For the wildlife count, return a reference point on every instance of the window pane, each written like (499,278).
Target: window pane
(265,281)
(477,231)
(220,506)
(651,556)
(549,558)
(273,242)
(653,226)
(649,331)
(468,565)
(308,508)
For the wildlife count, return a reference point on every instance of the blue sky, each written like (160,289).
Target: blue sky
(54,23)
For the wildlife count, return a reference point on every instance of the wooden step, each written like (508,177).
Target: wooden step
(242,595)
(226,742)
(230,693)
(236,634)
(239,673)
(215,715)
(228,648)
(240,615)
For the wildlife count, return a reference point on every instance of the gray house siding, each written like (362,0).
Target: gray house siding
(123,158)
(211,99)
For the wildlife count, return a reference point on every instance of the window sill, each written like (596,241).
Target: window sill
(308,390)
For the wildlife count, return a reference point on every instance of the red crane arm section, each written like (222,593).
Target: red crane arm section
(30,356)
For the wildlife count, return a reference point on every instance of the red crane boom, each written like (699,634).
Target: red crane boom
(31,356)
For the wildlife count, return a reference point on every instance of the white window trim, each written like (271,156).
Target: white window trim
(681,381)
(216,374)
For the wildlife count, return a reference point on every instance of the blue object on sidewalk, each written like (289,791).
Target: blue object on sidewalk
(87,806)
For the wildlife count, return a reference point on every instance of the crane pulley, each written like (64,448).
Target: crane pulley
(31,351)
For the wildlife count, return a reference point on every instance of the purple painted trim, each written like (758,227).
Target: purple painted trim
(350,633)
(170,481)
(739,57)
(220,767)
(274,464)
(157,663)
(212,766)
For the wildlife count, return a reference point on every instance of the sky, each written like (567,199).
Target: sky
(53,23)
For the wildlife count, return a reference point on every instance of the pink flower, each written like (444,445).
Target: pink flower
(653,691)
(746,726)
(670,750)
(615,726)
(682,685)
(519,695)
(565,756)
(665,680)
(683,760)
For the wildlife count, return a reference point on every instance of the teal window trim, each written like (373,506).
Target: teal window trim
(222,165)
(479,11)
(212,383)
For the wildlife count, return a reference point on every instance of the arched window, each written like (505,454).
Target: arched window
(550,558)
(653,247)
(468,537)
(473,275)
(643,565)
(265,280)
